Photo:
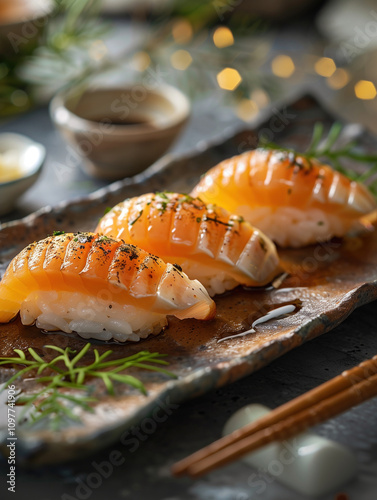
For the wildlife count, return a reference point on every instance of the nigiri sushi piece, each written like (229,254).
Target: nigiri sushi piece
(293,200)
(219,249)
(99,288)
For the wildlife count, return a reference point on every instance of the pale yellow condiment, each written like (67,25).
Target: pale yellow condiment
(10,168)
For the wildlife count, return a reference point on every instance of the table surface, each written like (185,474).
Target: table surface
(144,473)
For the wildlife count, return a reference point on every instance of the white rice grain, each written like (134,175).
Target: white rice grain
(89,317)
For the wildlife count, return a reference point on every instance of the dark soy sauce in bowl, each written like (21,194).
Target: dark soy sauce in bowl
(129,121)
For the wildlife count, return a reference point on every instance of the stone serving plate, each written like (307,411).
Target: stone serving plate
(330,280)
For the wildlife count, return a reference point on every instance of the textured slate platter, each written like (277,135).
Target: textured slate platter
(329,279)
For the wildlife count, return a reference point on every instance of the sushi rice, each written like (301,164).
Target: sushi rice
(90,317)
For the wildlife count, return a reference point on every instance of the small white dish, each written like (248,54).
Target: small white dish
(27,158)
(309,464)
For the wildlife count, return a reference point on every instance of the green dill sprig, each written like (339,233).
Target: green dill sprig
(162,194)
(105,212)
(63,373)
(217,221)
(136,218)
(324,147)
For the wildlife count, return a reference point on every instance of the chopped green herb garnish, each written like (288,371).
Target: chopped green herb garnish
(137,218)
(187,197)
(218,221)
(198,219)
(161,194)
(58,233)
(107,210)
(164,205)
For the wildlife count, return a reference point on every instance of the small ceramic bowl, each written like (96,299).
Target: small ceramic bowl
(119,132)
(27,158)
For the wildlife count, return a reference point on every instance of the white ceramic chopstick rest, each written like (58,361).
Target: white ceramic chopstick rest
(309,464)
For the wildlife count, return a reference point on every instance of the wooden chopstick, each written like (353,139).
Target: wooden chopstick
(325,401)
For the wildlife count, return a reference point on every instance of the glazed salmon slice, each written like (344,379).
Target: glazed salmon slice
(91,264)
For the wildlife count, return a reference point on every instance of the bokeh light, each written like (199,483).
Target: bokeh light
(325,66)
(223,37)
(97,50)
(181,59)
(247,109)
(282,66)
(365,90)
(338,79)
(260,97)
(19,98)
(182,31)
(229,79)
(141,61)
